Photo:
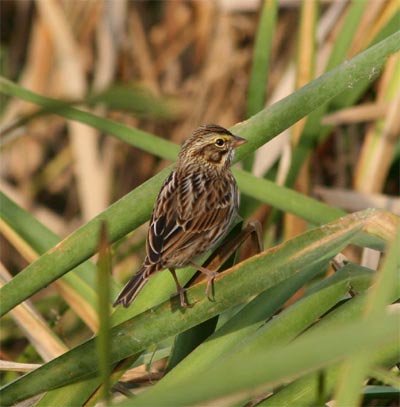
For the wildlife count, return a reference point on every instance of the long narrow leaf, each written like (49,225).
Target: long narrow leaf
(243,334)
(103,287)
(261,58)
(302,392)
(236,285)
(354,370)
(256,371)
(240,326)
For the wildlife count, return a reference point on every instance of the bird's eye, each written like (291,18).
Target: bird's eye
(219,142)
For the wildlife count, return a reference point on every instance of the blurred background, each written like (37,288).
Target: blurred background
(168,66)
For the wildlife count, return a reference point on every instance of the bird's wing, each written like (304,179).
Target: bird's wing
(188,208)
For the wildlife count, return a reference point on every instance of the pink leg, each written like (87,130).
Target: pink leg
(210,277)
(181,290)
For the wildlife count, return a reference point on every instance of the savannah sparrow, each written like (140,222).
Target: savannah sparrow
(193,210)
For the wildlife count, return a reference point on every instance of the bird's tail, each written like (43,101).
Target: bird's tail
(132,288)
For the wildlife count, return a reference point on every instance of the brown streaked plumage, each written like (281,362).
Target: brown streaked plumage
(193,210)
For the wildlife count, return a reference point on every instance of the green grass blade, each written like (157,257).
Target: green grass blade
(248,373)
(297,318)
(346,33)
(138,138)
(239,327)
(354,370)
(235,286)
(133,98)
(103,289)
(261,58)
(278,331)
(239,332)
(302,392)
(75,394)
(256,95)
(286,199)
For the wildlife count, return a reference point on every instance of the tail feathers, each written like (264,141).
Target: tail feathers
(131,289)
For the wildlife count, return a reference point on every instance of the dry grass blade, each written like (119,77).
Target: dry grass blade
(141,374)
(306,55)
(36,73)
(141,50)
(23,247)
(355,201)
(373,10)
(17,367)
(356,114)
(84,139)
(82,308)
(381,139)
(377,14)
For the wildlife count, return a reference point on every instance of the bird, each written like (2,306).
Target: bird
(193,211)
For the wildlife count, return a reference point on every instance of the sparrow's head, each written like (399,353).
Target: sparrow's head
(210,144)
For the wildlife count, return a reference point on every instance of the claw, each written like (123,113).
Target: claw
(182,298)
(210,281)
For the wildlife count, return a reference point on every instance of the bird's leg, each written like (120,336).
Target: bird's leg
(254,229)
(210,277)
(222,254)
(180,289)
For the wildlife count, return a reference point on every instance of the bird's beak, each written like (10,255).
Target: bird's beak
(238,141)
